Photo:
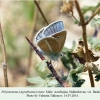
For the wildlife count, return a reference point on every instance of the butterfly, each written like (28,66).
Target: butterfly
(51,39)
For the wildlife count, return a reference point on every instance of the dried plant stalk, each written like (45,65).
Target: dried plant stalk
(36,3)
(4,64)
(83,25)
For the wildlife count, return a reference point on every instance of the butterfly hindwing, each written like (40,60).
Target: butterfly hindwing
(49,45)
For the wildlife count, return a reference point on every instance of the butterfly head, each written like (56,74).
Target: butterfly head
(54,56)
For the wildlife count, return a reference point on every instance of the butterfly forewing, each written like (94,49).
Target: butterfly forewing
(49,45)
(40,35)
(49,30)
(53,28)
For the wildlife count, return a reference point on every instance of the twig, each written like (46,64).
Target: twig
(95,13)
(36,3)
(31,38)
(57,77)
(75,18)
(82,22)
(4,64)
(49,65)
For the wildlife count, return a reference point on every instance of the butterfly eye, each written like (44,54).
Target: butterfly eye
(61,54)
(58,37)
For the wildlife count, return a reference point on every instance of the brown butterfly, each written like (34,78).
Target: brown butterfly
(51,40)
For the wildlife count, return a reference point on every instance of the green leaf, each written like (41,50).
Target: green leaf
(64,78)
(67,59)
(92,22)
(79,83)
(65,62)
(52,83)
(39,82)
(77,70)
(86,17)
(98,18)
(87,8)
(42,66)
(97,47)
(95,68)
(64,50)
(74,77)
(97,77)
(49,75)
(36,80)
(93,41)
(76,22)
(97,22)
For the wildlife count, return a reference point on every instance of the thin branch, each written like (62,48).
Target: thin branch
(49,65)
(95,13)
(82,22)
(36,3)
(4,64)
(79,12)
(74,17)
